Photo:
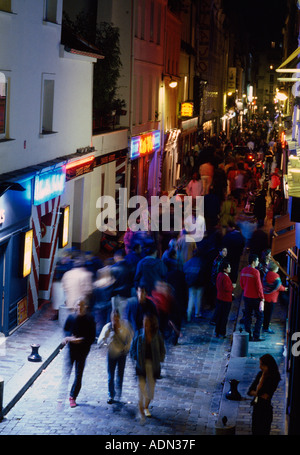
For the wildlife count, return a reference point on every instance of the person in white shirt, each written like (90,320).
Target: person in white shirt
(117,336)
(195,187)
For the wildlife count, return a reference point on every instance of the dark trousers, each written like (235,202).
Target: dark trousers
(252,307)
(262,417)
(268,310)
(113,363)
(221,316)
(79,361)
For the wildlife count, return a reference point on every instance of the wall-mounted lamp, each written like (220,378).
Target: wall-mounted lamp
(173,83)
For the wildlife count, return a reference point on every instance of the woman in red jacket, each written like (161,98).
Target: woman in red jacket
(224,299)
(272,285)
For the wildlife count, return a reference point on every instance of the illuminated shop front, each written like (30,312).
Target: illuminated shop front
(15,252)
(48,186)
(144,151)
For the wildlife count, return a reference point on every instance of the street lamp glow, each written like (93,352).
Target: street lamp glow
(173,84)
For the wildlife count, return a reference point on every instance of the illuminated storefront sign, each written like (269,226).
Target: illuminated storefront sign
(79,167)
(49,185)
(187,109)
(27,252)
(64,226)
(144,144)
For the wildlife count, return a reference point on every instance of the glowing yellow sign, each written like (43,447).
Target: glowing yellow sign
(64,226)
(27,252)
(187,109)
(65,233)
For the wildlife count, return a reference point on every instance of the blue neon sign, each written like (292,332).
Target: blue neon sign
(49,185)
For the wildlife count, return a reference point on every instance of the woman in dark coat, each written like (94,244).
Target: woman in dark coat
(262,390)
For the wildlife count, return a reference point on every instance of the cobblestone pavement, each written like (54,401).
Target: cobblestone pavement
(187,398)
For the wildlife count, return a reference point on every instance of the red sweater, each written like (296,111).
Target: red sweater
(224,287)
(251,283)
(272,286)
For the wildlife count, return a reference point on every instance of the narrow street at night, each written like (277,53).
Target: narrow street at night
(149,221)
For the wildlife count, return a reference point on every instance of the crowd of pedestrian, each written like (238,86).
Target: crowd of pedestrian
(139,298)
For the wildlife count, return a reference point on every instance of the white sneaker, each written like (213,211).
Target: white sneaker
(147,412)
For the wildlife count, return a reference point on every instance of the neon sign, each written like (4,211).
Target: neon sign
(187,109)
(145,144)
(28,240)
(49,185)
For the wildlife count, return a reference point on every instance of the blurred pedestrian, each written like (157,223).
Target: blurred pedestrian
(216,267)
(132,258)
(262,390)
(259,242)
(123,284)
(147,351)
(162,298)
(63,264)
(234,242)
(194,277)
(149,270)
(224,299)
(80,333)
(272,286)
(117,335)
(264,261)
(176,279)
(137,307)
(206,171)
(101,305)
(274,184)
(253,297)
(77,282)
(260,208)
(194,188)
(228,212)
(185,247)
(170,258)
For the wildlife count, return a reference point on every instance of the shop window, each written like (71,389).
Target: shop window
(47,104)
(50,11)
(3,105)
(158,24)
(152,20)
(143,19)
(5,5)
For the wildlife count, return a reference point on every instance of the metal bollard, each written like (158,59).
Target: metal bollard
(35,356)
(240,344)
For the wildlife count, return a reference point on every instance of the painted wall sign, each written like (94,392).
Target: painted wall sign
(144,144)
(49,185)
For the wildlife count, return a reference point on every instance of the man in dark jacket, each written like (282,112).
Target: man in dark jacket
(150,270)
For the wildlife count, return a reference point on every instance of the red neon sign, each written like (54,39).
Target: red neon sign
(80,162)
